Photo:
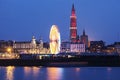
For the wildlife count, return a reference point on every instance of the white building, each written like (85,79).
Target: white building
(21,47)
(33,47)
(77,47)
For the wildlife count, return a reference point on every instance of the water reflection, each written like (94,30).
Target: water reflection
(36,71)
(77,69)
(109,69)
(54,73)
(10,72)
(27,70)
(31,71)
(59,73)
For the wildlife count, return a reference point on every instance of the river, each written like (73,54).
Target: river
(59,73)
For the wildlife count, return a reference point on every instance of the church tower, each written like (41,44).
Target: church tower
(73,26)
(84,39)
(33,42)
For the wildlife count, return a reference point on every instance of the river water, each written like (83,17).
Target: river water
(59,73)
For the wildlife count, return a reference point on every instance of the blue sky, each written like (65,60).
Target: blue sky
(21,19)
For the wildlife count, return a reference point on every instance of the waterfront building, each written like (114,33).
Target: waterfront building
(117,47)
(109,49)
(31,47)
(74,38)
(77,47)
(21,46)
(84,39)
(113,48)
(73,26)
(4,45)
(65,46)
(97,46)
(25,46)
(75,44)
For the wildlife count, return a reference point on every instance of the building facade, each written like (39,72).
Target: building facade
(77,47)
(97,46)
(110,49)
(65,46)
(30,47)
(117,47)
(4,45)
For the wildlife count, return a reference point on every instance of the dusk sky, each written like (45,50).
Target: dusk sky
(21,19)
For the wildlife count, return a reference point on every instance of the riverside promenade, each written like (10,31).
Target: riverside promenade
(66,61)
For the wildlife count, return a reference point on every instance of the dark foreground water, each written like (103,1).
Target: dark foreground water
(59,73)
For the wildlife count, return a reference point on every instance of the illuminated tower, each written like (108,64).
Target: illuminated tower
(73,25)
(33,42)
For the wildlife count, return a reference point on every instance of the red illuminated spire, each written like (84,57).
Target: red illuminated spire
(73,26)
(73,10)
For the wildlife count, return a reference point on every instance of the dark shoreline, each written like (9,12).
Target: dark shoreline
(105,61)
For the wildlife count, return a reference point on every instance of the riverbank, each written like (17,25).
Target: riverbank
(65,61)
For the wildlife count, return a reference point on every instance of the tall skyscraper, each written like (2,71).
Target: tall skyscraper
(73,26)
(84,38)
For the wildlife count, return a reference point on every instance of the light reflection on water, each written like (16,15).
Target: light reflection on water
(36,71)
(77,69)
(109,69)
(54,73)
(33,70)
(59,73)
(10,73)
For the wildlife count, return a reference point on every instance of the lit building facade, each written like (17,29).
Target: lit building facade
(109,49)
(73,25)
(30,47)
(117,47)
(77,47)
(65,46)
(23,46)
(4,45)
(97,46)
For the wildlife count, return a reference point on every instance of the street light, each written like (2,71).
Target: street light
(9,50)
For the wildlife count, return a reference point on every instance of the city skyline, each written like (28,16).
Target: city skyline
(20,20)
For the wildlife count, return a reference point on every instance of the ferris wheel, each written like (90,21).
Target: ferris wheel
(55,40)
